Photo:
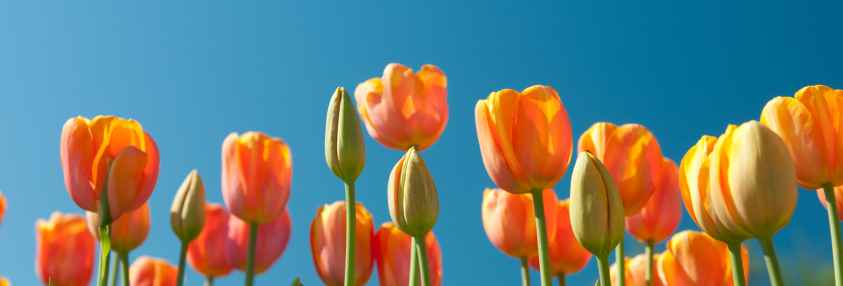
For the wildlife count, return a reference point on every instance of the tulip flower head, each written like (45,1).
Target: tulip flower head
(392,254)
(344,149)
(4,281)
(108,153)
(809,124)
(633,157)
(207,254)
(148,271)
(127,232)
(660,216)
(256,175)
(403,109)
(566,255)
(327,243)
(413,200)
(187,214)
(509,221)
(694,258)
(64,253)
(271,241)
(525,138)
(596,209)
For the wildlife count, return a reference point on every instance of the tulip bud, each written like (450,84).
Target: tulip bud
(597,215)
(187,215)
(344,149)
(413,201)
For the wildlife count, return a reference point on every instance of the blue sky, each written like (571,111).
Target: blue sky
(193,71)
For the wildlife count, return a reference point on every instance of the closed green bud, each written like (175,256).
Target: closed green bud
(187,215)
(344,150)
(597,215)
(413,200)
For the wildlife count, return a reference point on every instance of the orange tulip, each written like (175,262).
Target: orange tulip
(2,207)
(633,157)
(636,271)
(809,123)
(148,271)
(64,253)
(271,242)
(4,281)
(256,175)
(327,244)
(113,148)
(660,216)
(525,138)
(567,256)
(127,232)
(207,253)
(402,109)
(510,223)
(694,258)
(838,193)
(392,254)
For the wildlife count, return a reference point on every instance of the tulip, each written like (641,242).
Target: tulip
(403,109)
(327,244)
(596,210)
(269,242)
(207,254)
(509,222)
(809,124)
(636,271)
(392,252)
(4,281)
(695,258)
(64,253)
(2,207)
(567,256)
(187,215)
(148,271)
(525,142)
(127,233)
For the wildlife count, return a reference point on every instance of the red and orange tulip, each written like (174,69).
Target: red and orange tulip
(327,244)
(64,253)
(509,221)
(660,215)
(392,254)
(525,138)
(207,254)
(148,271)
(127,232)
(567,256)
(402,109)
(112,148)
(694,258)
(271,241)
(256,175)
(633,157)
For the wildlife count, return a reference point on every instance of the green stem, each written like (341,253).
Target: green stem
(209,281)
(737,263)
(414,264)
(561,278)
(105,254)
(250,262)
(541,234)
(649,275)
(603,269)
(115,273)
(834,228)
(182,256)
(525,272)
(124,260)
(773,269)
(350,227)
(421,251)
(619,259)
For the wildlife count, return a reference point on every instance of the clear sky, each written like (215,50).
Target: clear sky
(193,71)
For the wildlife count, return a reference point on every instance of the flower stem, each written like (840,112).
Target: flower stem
(209,281)
(182,256)
(414,264)
(250,262)
(350,227)
(561,278)
(115,273)
(525,272)
(773,269)
(105,254)
(834,228)
(124,260)
(737,263)
(603,269)
(649,275)
(541,234)
(619,259)
(421,251)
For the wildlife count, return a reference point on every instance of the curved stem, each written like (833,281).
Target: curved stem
(124,260)
(525,272)
(182,256)
(737,264)
(421,251)
(603,269)
(209,281)
(834,228)
(541,234)
(649,275)
(115,273)
(773,269)
(619,259)
(561,278)
(414,264)
(350,227)
(250,262)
